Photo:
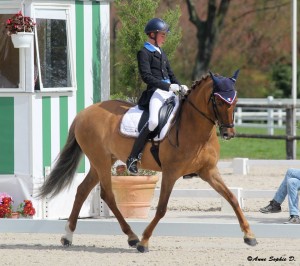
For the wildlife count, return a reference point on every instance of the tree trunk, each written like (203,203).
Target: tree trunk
(207,32)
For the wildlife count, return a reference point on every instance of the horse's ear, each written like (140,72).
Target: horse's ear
(213,77)
(235,75)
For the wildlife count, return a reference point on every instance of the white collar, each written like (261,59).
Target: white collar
(155,47)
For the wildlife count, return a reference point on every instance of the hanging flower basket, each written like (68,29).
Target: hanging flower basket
(22,39)
(21,30)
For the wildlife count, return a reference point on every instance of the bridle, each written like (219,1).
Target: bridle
(217,120)
(217,114)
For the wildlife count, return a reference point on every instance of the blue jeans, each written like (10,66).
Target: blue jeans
(289,187)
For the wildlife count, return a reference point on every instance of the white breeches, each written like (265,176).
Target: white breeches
(156,101)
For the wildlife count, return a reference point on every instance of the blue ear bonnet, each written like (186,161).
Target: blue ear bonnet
(224,87)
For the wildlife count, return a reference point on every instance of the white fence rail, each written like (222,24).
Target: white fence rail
(256,112)
(240,166)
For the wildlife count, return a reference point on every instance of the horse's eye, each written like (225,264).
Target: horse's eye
(220,103)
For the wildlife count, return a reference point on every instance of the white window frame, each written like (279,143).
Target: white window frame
(52,11)
(13,7)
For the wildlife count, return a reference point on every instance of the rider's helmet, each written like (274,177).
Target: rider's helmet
(156,25)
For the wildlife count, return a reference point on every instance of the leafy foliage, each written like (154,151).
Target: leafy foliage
(282,76)
(133,16)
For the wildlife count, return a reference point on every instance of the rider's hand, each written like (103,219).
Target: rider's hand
(174,87)
(184,89)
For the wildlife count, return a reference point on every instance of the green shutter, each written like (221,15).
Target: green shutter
(7,135)
(46,114)
(80,64)
(96,29)
(63,121)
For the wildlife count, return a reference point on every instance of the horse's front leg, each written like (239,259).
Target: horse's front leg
(108,196)
(83,190)
(213,177)
(165,192)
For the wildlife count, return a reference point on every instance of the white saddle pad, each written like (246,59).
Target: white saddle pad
(129,123)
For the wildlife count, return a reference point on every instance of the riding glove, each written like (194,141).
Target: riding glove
(174,87)
(182,88)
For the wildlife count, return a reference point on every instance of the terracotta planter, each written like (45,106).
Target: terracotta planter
(134,194)
(15,215)
(22,39)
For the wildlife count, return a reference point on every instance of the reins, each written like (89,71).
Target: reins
(214,122)
(178,118)
(200,112)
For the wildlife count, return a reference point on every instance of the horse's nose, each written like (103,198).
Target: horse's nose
(228,133)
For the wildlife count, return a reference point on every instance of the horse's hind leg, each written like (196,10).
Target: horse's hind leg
(83,190)
(215,180)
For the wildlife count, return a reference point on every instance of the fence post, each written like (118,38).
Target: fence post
(239,116)
(270,117)
(280,117)
(290,151)
(240,166)
(226,207)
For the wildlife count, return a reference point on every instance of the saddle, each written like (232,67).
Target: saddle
(134,120)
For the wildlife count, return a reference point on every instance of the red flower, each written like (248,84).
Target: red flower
(26,208)
(19,23)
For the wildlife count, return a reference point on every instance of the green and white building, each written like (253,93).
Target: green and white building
(43,87)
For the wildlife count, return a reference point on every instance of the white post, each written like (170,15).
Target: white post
(226,207)
(280,116)
(239,116)
(294,73)
(270,117)
(240,166)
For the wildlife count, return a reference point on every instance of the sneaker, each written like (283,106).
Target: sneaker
(294,219)
(273,207)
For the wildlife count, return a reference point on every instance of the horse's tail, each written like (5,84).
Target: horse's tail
(65,167)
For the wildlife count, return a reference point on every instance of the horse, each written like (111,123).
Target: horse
(191,146)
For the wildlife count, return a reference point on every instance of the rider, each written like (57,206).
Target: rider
(156,72)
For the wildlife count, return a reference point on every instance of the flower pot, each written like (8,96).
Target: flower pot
(22,39)
(134,194)
(15,215)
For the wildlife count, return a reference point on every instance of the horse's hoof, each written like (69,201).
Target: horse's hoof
(65,242)
(142,249)
(133,243)
(250,241)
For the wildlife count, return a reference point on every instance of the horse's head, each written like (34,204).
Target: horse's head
(224,99)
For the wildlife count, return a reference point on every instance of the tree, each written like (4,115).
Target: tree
(208,31)
(133,16)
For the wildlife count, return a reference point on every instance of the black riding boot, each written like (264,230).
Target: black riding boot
(138,146)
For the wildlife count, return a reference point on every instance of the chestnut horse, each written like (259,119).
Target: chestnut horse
(95,132)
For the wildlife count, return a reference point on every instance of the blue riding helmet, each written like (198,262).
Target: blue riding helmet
(156,25)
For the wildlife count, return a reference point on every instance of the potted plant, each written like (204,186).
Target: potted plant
(26,209)
(133,194)
(21,30)
(5,205)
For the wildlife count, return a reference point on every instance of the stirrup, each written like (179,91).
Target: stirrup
(132,165)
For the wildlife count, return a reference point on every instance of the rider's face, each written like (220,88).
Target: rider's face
(161,38)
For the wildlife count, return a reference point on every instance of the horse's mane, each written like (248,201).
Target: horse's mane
(198,82)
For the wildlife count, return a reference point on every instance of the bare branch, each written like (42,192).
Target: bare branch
(259,10)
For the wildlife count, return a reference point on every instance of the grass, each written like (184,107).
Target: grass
(256,148)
